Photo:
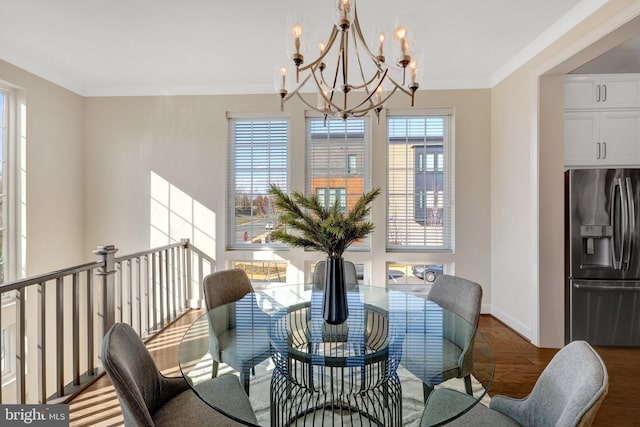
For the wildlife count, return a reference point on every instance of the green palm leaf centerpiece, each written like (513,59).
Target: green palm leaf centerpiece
(309,224)
(325,229)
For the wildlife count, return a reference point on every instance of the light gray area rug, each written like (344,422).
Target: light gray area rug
(412,398)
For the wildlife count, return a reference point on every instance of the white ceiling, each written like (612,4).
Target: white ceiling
(151,47)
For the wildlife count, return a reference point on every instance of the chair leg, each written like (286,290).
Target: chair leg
(426,391)
(467,385)
(214,369)
(244,379)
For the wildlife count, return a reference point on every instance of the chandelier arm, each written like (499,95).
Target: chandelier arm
(366,84)
(369,95)
(344,43)
(331,106)
(290,95)
(373,106)
(332,39)
(376,75)
(358,31)
(335,76)
(313,107)
(399,86)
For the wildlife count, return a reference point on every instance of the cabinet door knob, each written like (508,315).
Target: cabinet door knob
(604,150)
(597,93)
(604,93)
(598,153)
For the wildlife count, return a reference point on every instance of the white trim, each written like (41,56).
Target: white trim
(534,155)
(36,68)
(418,112)
(514,324)
(485,309)
(582,43)
(557,30)
(271,115)
(14,167)
(590,38)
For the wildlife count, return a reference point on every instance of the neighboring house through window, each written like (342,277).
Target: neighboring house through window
(337,167)
(419,183)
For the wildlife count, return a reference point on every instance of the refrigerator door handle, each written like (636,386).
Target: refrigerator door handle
(631,228)
(618,224)
(606,288)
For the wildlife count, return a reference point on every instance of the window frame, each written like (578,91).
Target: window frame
(362,172)
(4,142)
(13,167)
(444,163)
(234,243)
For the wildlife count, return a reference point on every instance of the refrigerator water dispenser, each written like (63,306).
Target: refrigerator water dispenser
(596,245)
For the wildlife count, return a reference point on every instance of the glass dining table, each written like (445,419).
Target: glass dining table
(376,368)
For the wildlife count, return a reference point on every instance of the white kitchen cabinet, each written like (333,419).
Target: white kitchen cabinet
(602,138)
(601,91)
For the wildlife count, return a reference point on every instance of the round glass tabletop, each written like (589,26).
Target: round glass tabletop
(374,369)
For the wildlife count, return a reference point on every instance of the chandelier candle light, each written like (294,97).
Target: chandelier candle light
(376,80)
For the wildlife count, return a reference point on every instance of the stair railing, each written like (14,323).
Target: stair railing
(51,325)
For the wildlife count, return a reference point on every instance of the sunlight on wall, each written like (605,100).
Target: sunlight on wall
(175,215)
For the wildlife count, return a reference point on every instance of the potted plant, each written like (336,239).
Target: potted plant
(309,224)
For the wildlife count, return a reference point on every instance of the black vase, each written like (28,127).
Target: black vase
(334,303)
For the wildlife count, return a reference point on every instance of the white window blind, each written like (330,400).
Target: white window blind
(4,113)
(338,163)
(257,158)
(419,183)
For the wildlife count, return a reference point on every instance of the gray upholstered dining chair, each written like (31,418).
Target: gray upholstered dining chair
(350,274)
(149,399)
(568,393)
(227,341)
(463,297)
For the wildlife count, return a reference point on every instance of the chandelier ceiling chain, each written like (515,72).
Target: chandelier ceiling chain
(337,95)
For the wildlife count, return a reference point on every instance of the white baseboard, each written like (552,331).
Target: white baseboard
(514,324)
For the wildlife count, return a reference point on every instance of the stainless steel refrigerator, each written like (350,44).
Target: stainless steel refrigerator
(603,262)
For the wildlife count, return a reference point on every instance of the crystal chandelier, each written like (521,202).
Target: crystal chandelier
(350,80)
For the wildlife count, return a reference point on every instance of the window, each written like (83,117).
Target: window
(3,351)
(258,158)
(351,163)
(7,353)
(261,273)
(337,166)
(419,183)
(329,196)
(4,132)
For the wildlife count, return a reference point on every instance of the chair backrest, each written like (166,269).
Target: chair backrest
(570,389)
(134,374)
(350,274)
(223,287)
(458,295)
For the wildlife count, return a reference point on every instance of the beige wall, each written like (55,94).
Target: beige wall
(51,231)
(527,182)
(139,171)
(182,143)
(54,169)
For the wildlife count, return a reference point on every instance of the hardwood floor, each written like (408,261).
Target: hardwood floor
(98,405)
(518,365)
